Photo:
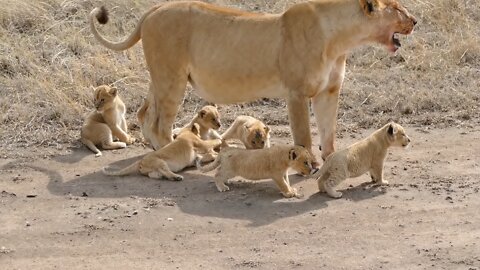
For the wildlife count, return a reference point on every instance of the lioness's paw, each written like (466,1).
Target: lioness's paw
(383,183)
(99,154)
(122,144)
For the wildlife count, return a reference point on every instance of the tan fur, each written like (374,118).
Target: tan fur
(364,156)
(172,158)
(253,133)
(232,56)
(106,122)
(260,164)
(208,118)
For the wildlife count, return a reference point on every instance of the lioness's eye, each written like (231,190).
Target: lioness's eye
(253,142)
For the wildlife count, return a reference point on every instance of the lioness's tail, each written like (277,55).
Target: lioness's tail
(101,14)
(209,167)
(127,170)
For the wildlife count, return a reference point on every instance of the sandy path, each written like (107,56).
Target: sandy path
(428,218)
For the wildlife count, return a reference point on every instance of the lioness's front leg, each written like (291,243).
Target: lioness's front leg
(299,121)
(325,106)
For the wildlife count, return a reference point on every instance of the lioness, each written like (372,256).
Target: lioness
(173,157)
(107,119)
(233,56)
(260,164)
(367,155)
(253,133)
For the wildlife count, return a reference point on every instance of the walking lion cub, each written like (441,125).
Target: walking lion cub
(260,164)
(106,122)
(367,155)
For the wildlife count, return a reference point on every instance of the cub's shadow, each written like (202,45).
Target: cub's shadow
(259,202)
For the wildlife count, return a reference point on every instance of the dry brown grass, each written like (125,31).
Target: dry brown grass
(49,61)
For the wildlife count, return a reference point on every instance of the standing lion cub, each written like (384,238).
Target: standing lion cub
(367,155)
(253,133)
(106,122)
(260,164)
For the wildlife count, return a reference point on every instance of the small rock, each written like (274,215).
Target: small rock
(31,196)
(27,224)
(84,194)
(169,219)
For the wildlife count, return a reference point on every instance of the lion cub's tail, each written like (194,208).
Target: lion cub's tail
(127,170)
(209,167)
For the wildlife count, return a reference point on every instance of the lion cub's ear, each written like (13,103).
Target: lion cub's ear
(369,7)
(195,128)
(202,113)
(391,129)
(292,155)
(113,91)
(267,129)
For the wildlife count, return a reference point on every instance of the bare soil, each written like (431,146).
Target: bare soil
(60,212)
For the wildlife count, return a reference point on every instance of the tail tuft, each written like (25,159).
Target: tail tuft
(102,15)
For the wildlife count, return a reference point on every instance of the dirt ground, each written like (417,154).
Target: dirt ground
(60,212)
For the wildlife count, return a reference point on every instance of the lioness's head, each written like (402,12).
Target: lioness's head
(301,160)
(396,135)
(257,135)
(103,96)
(209,117)
(390,19)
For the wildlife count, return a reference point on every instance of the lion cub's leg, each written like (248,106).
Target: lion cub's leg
(285,188)
(222,177)
(330,184)
(376,173)
(321,181)
(121,135)
(92,147)
(163,171)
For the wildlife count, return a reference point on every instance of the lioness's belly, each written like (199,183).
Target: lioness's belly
(232,89)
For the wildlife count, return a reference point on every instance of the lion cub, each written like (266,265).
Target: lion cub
(208,118)
(259,164)
(367,155)
(106,122)
(173,157)
(253,133)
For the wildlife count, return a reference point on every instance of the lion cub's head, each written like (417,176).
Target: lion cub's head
(104,96)
(301,160)
(396,135)
(257,135)
(389,18)
(188,132)
(209,117)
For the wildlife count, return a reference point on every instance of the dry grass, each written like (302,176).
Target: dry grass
(49,61)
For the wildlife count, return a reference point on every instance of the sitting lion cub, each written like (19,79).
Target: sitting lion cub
(364,156)
(208,118)
(253,133)
(108,119)
(173,157)
(259,164)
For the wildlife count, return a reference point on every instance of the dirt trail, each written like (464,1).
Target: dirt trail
(63,213)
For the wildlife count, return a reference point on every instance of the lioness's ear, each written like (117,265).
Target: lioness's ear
(113,91)
(195,128)
(369,6)
(391,129)
(292,155)
(267,129)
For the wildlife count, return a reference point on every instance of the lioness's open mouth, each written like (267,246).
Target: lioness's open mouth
(396,41)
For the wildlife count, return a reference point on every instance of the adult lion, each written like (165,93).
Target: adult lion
(233,56)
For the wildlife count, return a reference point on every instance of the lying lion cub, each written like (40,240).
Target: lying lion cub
(259,164)
(173,157)
(364,156)
(253,133)
(108,119)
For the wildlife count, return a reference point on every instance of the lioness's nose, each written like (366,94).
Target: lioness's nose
(408,139)
(414,21)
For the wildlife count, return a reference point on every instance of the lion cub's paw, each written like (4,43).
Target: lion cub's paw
(99,154)
(122,145)
(291,193)
(176,178)
(130,140)
(335,194)
(383,183)
(222,187)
